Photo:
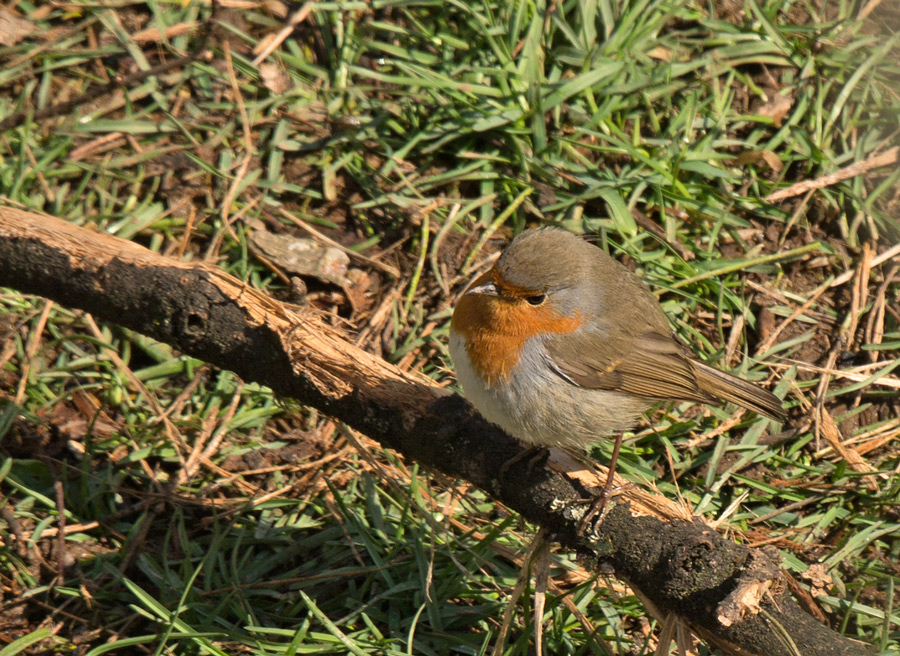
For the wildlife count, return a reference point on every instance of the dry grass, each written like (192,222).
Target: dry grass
(418,137)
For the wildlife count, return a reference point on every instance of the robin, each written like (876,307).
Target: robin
(559,345)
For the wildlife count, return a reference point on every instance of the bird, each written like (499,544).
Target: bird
(561,345)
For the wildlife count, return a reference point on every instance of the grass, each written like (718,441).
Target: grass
(423,134)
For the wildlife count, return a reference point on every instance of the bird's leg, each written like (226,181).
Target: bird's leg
(534,455)
(599,502)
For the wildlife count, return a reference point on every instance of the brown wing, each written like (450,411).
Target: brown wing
(654,366)
(648,364)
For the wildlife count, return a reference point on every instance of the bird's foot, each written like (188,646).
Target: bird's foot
(595,513)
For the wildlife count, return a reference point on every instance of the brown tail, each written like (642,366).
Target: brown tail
(730,388)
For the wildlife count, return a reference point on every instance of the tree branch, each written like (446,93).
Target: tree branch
(732,596)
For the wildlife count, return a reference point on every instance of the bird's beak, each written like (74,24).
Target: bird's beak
(487,289)
(483,285)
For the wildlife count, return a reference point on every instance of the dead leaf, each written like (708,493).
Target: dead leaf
(274,78)
(776,107)
(756,156)
(12,28)
(818,576)
(303,257)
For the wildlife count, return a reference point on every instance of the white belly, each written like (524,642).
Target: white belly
(538,407)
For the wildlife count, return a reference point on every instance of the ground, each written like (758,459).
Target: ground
(419,137)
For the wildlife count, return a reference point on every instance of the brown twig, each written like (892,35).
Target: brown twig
(872,162)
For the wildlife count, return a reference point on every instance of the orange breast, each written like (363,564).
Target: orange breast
(495,328)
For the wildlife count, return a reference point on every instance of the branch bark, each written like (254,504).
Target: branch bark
(733,597)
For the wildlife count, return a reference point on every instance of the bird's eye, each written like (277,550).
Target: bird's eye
(536,299)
